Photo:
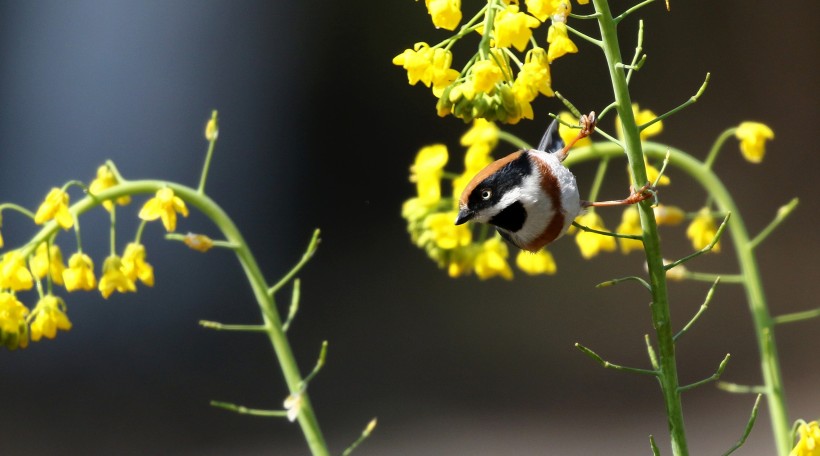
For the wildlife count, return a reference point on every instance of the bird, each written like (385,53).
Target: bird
(529,196)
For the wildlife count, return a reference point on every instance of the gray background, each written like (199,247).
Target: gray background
(317,130)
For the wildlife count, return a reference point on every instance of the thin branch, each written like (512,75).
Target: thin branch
(709,247)
(314,243)
(294,305)
(636,237)
(319,364)
(782,213)
(748,429)
(741,389)
(626,13)
(711,378)
(609,365)
(691,100)
(612,282)
(653,358)
(249,411)
(655,450)
(796,316)
(365,434)
(586,37)
(223,327)
(700,311)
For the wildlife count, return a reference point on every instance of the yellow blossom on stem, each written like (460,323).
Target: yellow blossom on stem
(462,260)
(482,132)
(592,243)
(753,136)
(630,224)
(534,77)
(808,443)
(559,41)
(426,172)
(164,205)
(106,179)
(540,262)
(13,328)
(668,215)
(446,14)
(14,275)
(445,233)
(439,73)
(491,260)
(543,9)
(49,316)
(114,278)
(416,61)
(47,260)
(513,28)
(702,230)
(211,129)
(55,207)
(79,275)
(1,234)
(485,75)
(198,242)
(568,133)
(134,265)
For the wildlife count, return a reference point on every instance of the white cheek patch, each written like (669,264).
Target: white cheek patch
(538,206)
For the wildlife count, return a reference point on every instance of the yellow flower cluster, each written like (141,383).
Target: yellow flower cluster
(21,268)
(496,84)
(808,443)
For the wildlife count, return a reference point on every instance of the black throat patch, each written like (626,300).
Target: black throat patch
(511,218)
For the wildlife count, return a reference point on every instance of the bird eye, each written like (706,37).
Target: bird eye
(486,194)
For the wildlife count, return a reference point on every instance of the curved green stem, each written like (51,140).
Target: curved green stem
(752,281)
(272,321)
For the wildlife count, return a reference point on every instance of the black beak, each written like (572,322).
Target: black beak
(464,215)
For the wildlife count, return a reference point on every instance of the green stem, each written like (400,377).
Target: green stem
(211,143)
(752,283)
(661,318)
(290,369)
(713,152)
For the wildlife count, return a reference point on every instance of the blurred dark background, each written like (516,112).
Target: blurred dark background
(318,129)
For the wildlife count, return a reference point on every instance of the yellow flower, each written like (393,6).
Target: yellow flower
(13,327)
(809,442)
(668,215)
(445,233)
(106,179)
(55,207)
(540,262)
(534,77)
(134,265)
(416,61)
(79,275)
(446,14)
(753,136)
(14,274)
(48,259)
(198,242)
(482,132)
(164,205)
(485,75)
(211,129)
(513,28)
(568,133)
(114,278)
(592,243)
(543,9)
(702,230)
(49,316)
(641,118)
(439,73)
(559,41)
(630,224)
(462,260)
(426,172)
(1,234)
(491,260)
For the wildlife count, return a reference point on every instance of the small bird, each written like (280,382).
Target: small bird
(530,196)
